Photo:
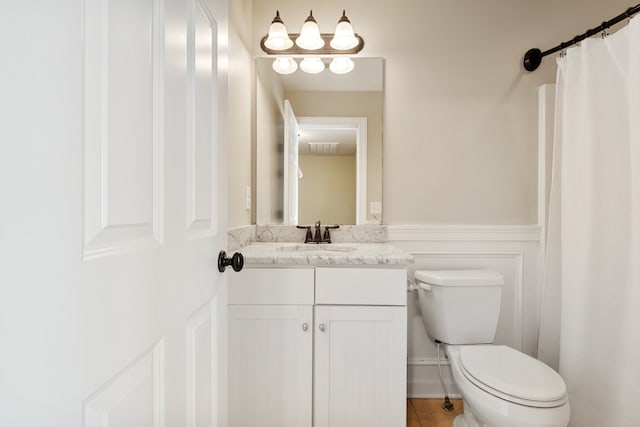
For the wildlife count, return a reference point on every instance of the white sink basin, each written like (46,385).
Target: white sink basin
(318,247)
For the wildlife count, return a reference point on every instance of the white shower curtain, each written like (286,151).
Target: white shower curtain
(593,258)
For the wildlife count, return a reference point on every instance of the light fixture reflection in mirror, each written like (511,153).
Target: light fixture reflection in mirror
(356,94)
(312,65)
(341,65)
(285,65)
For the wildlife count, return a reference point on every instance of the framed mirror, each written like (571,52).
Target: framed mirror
(319,145)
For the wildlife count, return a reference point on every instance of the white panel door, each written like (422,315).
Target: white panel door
(360,366)
(291,137)
(112,212)
(270,365)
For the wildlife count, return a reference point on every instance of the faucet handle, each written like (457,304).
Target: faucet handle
(308,236)
(327,235)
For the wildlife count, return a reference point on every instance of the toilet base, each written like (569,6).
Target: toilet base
(466,419)
(459,421)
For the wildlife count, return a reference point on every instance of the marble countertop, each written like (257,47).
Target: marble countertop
(287,253)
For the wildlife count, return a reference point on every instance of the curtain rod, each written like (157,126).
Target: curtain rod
(533,57)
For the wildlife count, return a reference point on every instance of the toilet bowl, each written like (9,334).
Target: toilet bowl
(500,386)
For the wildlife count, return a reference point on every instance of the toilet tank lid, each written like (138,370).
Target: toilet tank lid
(478,277)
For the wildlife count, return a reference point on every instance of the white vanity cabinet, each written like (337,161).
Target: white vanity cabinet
(317,346)
(270,341)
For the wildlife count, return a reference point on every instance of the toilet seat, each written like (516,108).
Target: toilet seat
(513,376)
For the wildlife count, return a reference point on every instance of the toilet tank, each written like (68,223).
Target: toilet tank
(460,306)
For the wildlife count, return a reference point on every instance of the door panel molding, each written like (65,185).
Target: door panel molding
(201,366)
(138,389)
(202,130)
(123,135)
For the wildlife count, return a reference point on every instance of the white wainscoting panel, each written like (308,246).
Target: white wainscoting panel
(123,135)
(510,264)
(201,107)
(133,397)
(511,250)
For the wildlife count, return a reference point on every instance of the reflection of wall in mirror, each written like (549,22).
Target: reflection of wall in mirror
(269,146)
(350,104)
(327,189)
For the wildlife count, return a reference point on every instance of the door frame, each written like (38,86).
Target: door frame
(360,126)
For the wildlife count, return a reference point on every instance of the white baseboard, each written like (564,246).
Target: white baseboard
(431,390)
(420,391)
(424,380)
(427,361)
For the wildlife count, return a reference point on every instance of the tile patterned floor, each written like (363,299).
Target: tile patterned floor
(429,413)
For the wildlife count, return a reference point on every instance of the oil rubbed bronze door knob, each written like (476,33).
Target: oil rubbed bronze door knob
(236,261)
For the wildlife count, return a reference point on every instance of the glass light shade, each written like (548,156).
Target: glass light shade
(278,38)
(284,65)
(309,37)
(344,38)
(312,65)
(341,65)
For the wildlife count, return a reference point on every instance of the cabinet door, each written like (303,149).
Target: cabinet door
(360,366)
(270,365)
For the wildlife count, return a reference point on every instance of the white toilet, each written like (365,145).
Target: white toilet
(500,386)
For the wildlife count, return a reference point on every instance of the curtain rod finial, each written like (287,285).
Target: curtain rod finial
(532,59)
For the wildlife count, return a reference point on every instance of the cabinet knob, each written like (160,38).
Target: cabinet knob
(322,327)
(305,327)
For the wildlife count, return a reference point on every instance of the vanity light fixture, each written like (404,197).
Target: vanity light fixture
(312,46)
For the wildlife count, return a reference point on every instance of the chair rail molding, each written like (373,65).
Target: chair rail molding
(476,233)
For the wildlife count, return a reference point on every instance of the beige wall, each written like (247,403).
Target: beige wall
(241,111)
(327,190)
(269,125)
(350,104)
(460,118)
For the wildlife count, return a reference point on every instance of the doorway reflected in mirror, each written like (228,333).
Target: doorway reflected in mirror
(356,95)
